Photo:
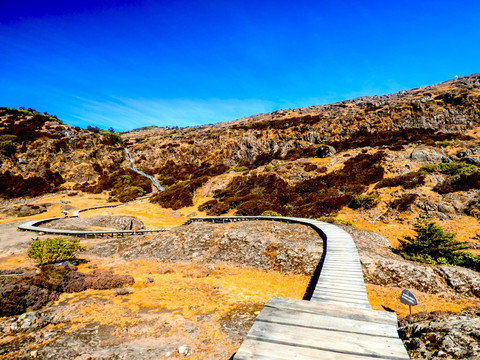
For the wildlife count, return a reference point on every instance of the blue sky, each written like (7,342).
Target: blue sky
(131,63)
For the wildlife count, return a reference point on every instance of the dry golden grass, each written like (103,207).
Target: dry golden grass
(192,289)
(185,302)
(15,261)
(79,201)
(389,297)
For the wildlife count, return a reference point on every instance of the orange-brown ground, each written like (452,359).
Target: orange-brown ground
(188,302)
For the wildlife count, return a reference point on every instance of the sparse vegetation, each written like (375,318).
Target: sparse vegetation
(450,168)
(14,186)
(270,213)
(459,183)
(404,202)
(179,195)
(237,169)
(364,201)
(407,181)
(319,196)
(332,220)
(434,245)
(110,138)
(53,250)
(8,145)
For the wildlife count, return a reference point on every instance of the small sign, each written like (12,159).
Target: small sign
(408,298)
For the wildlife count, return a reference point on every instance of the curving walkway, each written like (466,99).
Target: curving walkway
(34,226)
(334,321)
(337,322)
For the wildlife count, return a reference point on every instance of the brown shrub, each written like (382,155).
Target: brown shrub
(34,292)
(208,205)
(459,183)
(105,279)
(403,203)
(13,186)
(407,181)
(394,139)
(310,167)
(323,195)
(179,195)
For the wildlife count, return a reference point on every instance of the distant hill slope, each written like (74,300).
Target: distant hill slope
(366,155)
(369,155)
(450,107)
(39,154)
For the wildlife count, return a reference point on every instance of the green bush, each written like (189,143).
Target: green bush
(138,190)
(237,169)
(450,168)
(53,250)
(110,138)
(127,179)
(364,201)
(270,213)
(444,143)
(434,245)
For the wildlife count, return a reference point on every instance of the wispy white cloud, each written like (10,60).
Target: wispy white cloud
(124,114)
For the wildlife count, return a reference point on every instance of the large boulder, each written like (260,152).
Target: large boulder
(442,336)
(427,154)
(324,151)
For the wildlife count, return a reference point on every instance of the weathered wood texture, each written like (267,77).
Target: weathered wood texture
(337,322)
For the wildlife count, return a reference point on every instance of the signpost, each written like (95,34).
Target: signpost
(409,299)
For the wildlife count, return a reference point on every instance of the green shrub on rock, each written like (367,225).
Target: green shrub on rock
(430,243)
(364,201)
(450,168)
(53,250)
(270,213)
(434,245)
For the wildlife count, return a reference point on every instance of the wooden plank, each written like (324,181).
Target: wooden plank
(356,344)
(342,282)
(326,322)
(333,298)
(380,317)
(259,350)
(342,290)
(340,295)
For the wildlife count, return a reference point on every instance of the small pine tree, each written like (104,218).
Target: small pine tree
(53,250)
(432,244)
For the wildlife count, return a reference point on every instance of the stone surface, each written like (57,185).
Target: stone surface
(441,335)
(427,154)
(324,151)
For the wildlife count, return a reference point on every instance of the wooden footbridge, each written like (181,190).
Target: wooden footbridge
(334,321)
(35,225)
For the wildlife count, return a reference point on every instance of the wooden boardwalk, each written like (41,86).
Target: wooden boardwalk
(34,226)
(337,322)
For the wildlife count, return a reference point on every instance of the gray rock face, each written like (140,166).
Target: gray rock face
(474,160)
(30,321)
(86,223)
(427,154)
(25,210)
(440,336)
(464,281)
(289,248)
(324,151)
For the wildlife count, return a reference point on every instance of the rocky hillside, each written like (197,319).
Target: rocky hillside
(39,154)
(371,159)
(433,113)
